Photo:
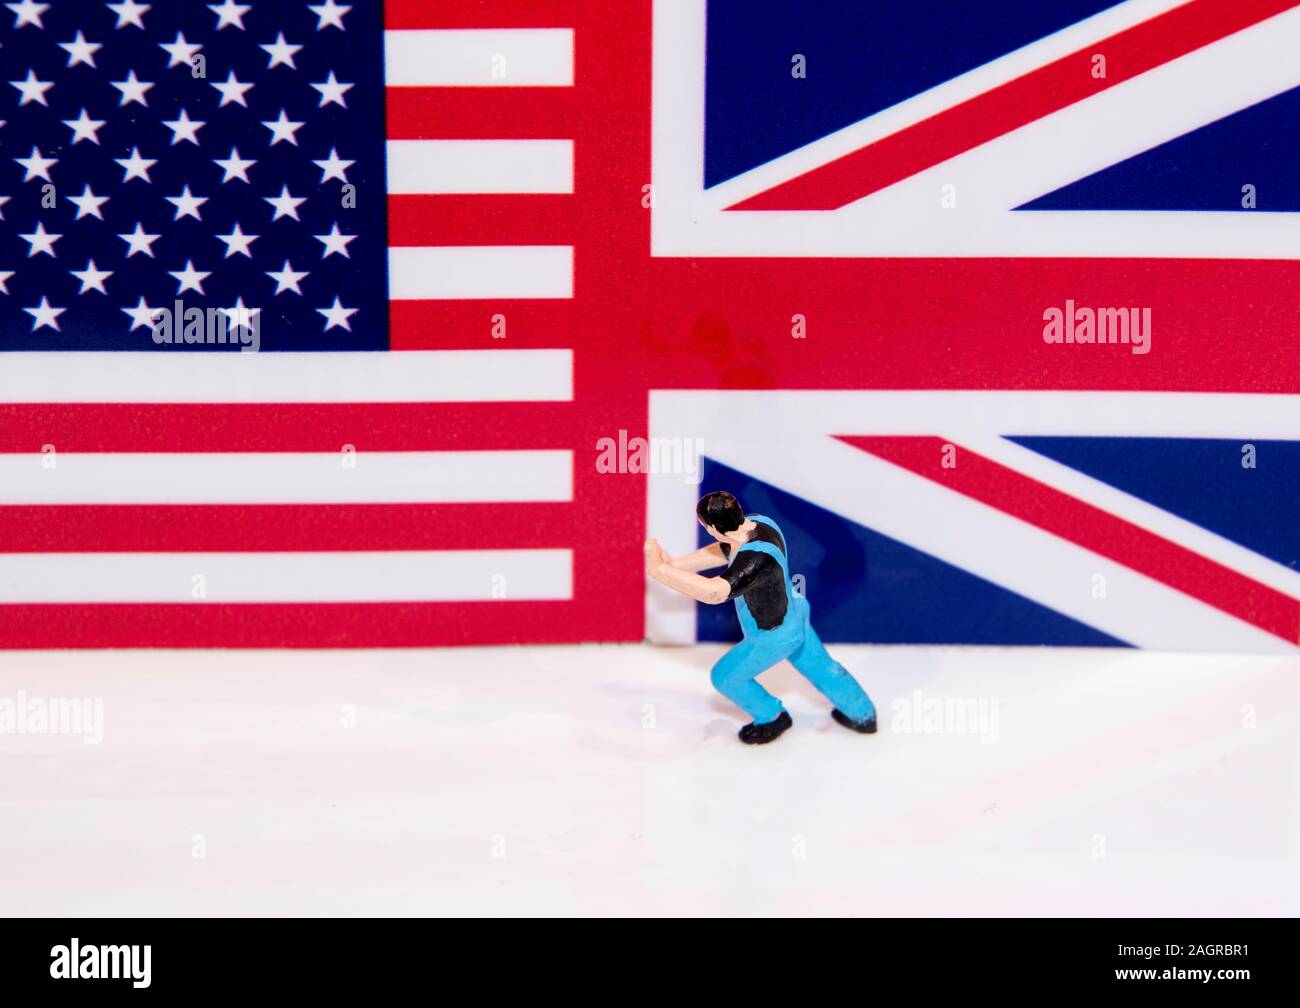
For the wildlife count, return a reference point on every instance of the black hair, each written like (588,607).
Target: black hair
(720,510)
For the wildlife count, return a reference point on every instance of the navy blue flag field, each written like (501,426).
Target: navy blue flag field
(152,157)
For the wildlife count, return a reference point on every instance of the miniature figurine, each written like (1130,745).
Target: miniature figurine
(773,616)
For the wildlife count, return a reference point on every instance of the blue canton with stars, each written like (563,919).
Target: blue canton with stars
(101,105)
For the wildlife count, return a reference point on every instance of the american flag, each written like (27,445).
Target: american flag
(479,240)
(245,159)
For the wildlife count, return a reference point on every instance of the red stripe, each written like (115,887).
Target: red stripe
(992,483)
(389,624)
(470,325)
(259,427)
(1014,104)
(1219,325)
(481,13)
(133,528)
(482,113)
(500,219)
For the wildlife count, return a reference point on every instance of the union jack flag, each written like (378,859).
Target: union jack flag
(462,245)
(994,302)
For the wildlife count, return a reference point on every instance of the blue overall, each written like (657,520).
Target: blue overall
(736,673)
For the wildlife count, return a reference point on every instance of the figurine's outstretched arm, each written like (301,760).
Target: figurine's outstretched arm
(659,565)
(701,560)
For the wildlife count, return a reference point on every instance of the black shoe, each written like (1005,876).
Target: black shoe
(762,734)
(867,727)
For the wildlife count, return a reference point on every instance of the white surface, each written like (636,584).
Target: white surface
(479,57)
(435,272)
(480,166)
(345,576)
(412,376)
(287,477)
(546,755)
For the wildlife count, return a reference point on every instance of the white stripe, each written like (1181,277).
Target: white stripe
(670,616)
(287,477)
(1229,415)
(479,57)
(480,166)
(429,576)
(405,376)
(480,271)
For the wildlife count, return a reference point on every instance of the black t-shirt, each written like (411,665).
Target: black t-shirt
(759,579)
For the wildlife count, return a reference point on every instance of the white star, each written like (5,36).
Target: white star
(84,128)
(329,13)
(81,51)
(332,90)
(333,167)
(237,242)
(28,13)
(335,242)
(33,90)
(281,52)
(189,278)
(3,201)
(180,52)
(240,316)
(230,13)
(4,279)
(337,315)
(287,279)
(136,166)
(40,241)
(235,166)
(45,315)
(187,204)
(88,203)
(37,166)
(142,315)
(285,204)
(132,89)
(128,13)
(138,241)
(283,129)
(184,128)
(232,90)
(92,278)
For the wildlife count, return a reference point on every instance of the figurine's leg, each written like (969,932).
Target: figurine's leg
(832,680)
(734,677)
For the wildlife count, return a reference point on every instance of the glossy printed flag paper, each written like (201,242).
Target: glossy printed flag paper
(403,323)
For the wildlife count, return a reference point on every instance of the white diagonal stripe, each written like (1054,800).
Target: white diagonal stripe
(1134,510)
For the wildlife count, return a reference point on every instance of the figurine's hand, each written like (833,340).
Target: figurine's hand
(654,556)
